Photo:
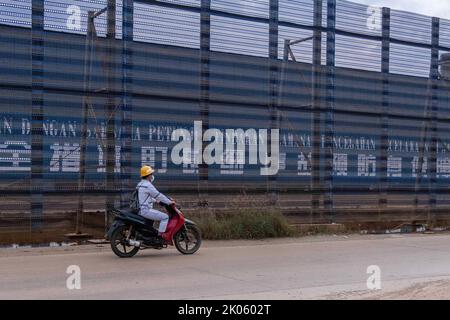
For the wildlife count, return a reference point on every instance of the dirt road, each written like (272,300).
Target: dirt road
(325,267)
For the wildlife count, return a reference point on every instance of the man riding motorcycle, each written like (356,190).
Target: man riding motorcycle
(148,194)
(130,233)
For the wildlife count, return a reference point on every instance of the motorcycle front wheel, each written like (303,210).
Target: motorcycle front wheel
(119,243)
(188,240)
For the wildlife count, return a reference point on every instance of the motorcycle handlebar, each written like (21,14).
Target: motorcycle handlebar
(173,206)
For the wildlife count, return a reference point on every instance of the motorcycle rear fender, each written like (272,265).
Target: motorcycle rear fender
(114,226)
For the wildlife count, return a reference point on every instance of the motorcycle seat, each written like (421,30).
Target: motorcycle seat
(141,219)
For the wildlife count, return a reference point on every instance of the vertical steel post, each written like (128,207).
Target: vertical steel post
(384,136)
(110,108)
(37,112)
(127,101)
(315,123)
(283,71)
(205,56)
(429,125)
(273,86)
(329,121)
(86,100)
(434,76)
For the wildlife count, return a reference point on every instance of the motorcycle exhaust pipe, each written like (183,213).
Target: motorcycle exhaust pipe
(134,243)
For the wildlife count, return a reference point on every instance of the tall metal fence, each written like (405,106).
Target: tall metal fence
(90,90)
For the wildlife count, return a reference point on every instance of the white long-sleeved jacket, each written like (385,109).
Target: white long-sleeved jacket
(149,194)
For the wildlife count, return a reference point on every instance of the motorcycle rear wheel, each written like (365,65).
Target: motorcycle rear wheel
(188,236)
(119,245)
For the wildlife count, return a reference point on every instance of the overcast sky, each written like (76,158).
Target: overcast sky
(436,8)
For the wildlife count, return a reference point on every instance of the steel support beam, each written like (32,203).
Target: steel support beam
(434,77)
(88,58)
(126,161)
(205,58)
(37,112)
(110,110)
(273,88)
(329,120)
(316,113)
(384,135)
(429,130)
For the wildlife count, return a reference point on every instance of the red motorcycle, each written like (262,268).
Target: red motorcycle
(130,233)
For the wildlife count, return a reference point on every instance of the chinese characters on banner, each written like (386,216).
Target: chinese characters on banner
(367,165)
(15,157)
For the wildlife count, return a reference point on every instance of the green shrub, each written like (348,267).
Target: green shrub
(251,223)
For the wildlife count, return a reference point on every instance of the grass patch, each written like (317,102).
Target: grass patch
(243,223)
